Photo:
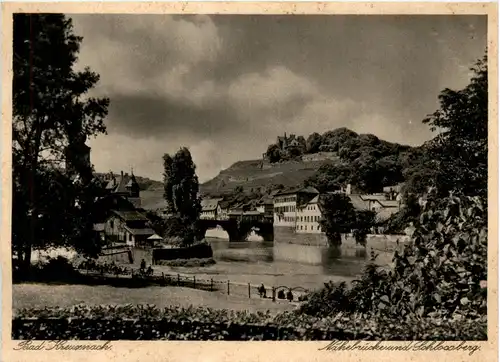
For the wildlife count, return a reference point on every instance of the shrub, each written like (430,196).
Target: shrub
(177,323)
(439,275)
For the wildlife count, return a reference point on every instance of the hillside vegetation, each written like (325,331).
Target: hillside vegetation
(254,175)
(325,161)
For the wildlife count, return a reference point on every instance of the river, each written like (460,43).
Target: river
(256,261)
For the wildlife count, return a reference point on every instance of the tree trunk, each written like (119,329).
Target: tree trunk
(32,221)
(33,216)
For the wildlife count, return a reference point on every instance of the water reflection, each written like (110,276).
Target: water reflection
(313,264)
(273,263)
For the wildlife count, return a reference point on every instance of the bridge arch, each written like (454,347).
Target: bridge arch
(217,232)
(238,229)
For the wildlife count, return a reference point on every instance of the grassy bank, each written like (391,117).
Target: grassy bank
(43,295)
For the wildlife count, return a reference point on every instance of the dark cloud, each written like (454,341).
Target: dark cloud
(148,115)
(227,85)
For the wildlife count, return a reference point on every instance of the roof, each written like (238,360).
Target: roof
(266,200)
(136,201)
(377,197)
(389,203)
(121,182)
(141,231)
(155,237)
(297,190)
(130,215)
(358,202)
(314,200)
(210,204)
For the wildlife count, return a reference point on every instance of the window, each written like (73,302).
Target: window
(129,237)
(111,224)
(318,227)
(300,227)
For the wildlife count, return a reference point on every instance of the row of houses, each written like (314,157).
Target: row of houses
(299,208)
(220,209)
(123,220)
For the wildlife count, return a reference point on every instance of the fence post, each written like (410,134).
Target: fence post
(228,287)
(249,296)
(211,284)
(194,281)
(178,279)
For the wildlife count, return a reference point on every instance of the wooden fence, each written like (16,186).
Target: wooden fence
(106,272)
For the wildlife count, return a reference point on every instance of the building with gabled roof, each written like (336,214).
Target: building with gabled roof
(130,227)
(210,208)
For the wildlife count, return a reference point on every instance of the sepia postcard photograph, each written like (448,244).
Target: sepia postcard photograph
(249,173)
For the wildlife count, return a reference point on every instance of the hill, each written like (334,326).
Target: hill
(257,175)
(325,161)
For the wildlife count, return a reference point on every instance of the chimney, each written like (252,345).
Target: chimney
(122,174)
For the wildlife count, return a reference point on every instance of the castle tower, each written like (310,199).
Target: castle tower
(133,186)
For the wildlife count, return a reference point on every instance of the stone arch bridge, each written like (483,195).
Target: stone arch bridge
(238,229)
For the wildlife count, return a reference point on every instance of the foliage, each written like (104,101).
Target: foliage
(273,153)
(313,142)
(52,115)
(438,276)
(407,216)
(340,217)
(367,162)
(53,269)
(181,193)
(168,180)
(364,220)
(146,322)
(461,148)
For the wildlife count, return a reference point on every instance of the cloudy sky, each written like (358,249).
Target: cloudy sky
(226,86)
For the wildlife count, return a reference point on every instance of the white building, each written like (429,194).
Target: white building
(290,205)
(285,208)
(210,209)
(308,217)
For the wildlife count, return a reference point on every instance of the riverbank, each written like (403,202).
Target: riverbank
(45,295)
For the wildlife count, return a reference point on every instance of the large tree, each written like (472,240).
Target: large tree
(461,148)
(338,216)
(181,193)
(52,113)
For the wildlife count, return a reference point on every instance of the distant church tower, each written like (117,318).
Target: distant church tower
(133,186)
